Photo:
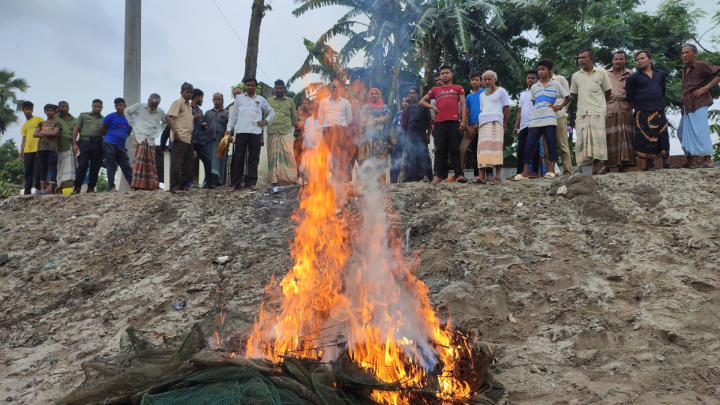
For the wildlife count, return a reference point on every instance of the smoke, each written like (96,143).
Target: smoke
(379,295)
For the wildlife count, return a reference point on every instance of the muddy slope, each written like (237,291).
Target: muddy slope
(614,285)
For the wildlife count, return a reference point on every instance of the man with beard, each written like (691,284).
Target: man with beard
(694,131)
(147,121)
(282,169)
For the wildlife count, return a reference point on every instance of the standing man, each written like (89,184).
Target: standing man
(198,136)
(522,122)
(398,142)
(591,88)
(87,140)
(619,119)
(147,121)
(469,142)
(646,90)
(115,128)
(492,122)
(543,121)
(448,125)
(282,168)
(215,122)
(561,134)
(416,124)
(66,160)
(180,120)
(334,115)
(246,117)
(694,130)
(29,144)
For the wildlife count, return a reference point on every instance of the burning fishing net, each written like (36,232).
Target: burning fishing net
(350,323)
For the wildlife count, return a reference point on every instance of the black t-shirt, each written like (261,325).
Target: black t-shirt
(415,119)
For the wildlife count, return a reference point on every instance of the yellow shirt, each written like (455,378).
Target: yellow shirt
(590,89)
(27,131)
(182,116)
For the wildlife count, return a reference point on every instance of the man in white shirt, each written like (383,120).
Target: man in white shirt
(147,121)
(246,118)
(522,123)
(334,115)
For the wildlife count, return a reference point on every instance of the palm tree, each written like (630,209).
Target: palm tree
(9,85)
(463,33)
(385,40)
(323,60)
(404,37)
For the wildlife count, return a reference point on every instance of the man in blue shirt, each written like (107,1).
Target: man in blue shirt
(115,129)
(396,134)
(470,141)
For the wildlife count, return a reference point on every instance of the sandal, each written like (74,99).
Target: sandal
(702,165)
(462,179)
(178,191)
(450,180)
(497,181)
(688,166)
(519,177)
(550,175)
(477,180)
(435,181)
(533,175)
(253,188)
(670,166)
(600,171)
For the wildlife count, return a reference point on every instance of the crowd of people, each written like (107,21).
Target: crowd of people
(620,118)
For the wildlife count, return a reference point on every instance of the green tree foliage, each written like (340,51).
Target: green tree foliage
(11,170)
(9,86)
(102,183)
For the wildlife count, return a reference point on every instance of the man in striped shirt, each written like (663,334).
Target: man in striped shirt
(543,121)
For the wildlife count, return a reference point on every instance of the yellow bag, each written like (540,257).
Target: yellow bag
(223,147)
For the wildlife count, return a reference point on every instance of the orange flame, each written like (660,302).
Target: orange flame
(369,301)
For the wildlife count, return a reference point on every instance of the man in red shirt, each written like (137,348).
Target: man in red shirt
(448,125)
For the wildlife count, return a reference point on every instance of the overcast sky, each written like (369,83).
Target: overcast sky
(73,49)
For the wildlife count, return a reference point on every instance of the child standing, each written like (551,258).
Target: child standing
(47,131)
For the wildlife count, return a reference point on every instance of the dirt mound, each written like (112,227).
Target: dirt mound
(613,287)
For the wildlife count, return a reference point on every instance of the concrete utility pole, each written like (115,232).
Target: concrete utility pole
(131,84)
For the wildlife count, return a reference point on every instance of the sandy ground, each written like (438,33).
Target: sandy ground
(613,286)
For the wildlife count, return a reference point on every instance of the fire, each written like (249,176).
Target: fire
(352,289)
